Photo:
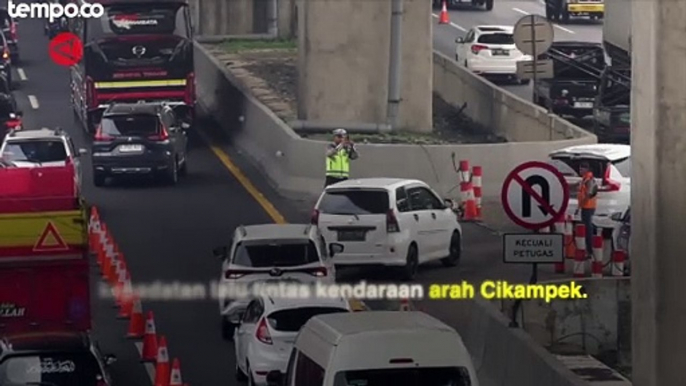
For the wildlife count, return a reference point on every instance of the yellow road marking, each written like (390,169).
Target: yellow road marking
(268,207)
(141,83)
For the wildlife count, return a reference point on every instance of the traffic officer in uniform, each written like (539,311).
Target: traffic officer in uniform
(587,201)
(338,156)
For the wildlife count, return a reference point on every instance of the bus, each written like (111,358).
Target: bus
(139,51)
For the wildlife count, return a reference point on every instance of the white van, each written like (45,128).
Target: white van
(377,348)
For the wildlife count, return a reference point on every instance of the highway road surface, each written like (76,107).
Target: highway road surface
(168,233)
(507,12)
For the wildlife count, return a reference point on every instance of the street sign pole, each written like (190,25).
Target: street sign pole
(535,210)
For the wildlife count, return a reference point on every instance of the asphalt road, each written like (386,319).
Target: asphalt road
(167,233)
(506,12)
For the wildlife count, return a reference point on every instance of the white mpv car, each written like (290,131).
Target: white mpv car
(388,222)
(611,166)
(264,340)
(269,253)
(490,50)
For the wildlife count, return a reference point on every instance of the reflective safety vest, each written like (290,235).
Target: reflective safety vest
(338,166)
(586,202)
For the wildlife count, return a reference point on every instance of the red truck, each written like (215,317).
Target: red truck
(44,268)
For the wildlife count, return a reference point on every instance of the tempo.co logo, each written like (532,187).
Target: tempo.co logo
(53,11)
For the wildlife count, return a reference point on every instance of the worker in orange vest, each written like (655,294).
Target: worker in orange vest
(587,201)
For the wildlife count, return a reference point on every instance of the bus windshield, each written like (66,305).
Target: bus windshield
(122,20)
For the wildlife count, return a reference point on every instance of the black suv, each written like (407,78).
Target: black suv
(141,138)
(56,359)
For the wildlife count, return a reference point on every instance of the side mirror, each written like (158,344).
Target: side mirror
(449,204)
(617,216)
(335,248)
(83,151)
(109,359)
(220,252)
(459,40)
(275,378)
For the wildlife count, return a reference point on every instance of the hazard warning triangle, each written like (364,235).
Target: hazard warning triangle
(50,240)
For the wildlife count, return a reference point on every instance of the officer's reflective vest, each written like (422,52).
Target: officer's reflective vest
(586,202)
(338,165)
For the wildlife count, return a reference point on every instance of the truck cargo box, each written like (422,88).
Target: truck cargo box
(38,189)
(45,296)
(617,31)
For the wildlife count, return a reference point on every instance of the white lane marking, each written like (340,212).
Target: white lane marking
(149,367)
(452,24)
(34,102)
(523,12)
(22,74)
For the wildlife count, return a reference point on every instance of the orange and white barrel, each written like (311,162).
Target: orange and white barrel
(476,184)
(597,263)
(580,255)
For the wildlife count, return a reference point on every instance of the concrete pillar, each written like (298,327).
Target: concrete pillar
(286,18)
(344,48)
(658,139)
(222,17)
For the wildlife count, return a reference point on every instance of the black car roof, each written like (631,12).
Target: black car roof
(46,341)
(133,108)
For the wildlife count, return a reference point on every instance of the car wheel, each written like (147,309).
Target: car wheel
(240,375)
(565,16)
(411,263)
(228,329)
(173,173)
(489,5)
(99,179)
(183,170)
(455,251)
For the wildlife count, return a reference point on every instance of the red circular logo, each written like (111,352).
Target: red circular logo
(66,49)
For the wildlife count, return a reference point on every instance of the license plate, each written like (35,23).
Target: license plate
(357,235)
(130,148)
(583,105)
(501,52)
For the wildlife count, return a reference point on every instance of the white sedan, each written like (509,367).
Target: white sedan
(490,50)
(264,340)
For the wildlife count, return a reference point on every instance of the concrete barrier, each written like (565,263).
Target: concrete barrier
(295,166)
(506,114)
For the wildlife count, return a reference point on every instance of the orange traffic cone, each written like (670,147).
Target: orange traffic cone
(136,323)
(149,352)
(444,18)
(404,305)
(470,213)
(162,368)
(126,298)
(175,374)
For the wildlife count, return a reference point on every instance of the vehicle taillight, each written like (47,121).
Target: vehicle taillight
(101,382)
(91,94)
(13,123)
(162,136)
(262,333)
(189,93)
(318,272)
(101,136)
(13,31)
(476,48)
(5,54)
(392,225)
(314,219)
(609,185)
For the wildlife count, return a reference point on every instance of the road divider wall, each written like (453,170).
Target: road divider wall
(295,165)
(506,114)
(503,355)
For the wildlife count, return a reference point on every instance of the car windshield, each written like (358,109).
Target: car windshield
(496,39)
(130,125)
(53,369)
(36,151)
(427,376)
(140,19)
(292,320)
(354,202)
(569,166)
(276,254)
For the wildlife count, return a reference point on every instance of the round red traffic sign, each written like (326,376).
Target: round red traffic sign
(66,49)
(535,208)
